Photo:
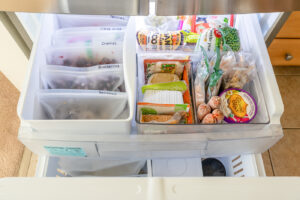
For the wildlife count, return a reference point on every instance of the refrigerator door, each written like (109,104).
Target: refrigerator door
(150,188)
(89,7)
(141,7)
(205,7)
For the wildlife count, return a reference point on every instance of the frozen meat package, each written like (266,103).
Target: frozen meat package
(88,36)
(84,56)
(82,104)
(102,77)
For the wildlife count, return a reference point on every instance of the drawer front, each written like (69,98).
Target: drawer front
(291,29)
(285,52)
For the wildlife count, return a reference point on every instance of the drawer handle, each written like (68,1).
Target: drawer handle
(288,57)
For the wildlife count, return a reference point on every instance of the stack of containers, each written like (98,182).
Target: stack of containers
(83,78)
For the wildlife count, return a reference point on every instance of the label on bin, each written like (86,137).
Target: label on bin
(65,151)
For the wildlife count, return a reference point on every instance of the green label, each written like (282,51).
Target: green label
(65,151)
(148,111)
(180,107)
(168,68)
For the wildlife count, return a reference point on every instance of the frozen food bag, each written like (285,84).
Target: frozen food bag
(163,113)
(241,73)
(230,39)
(210,40)
(78,37)
(215,78)
(161,119)
(84,56)
(101,77)
(157,109)
(176,86)
(152,66)
(82,104)
(202,75)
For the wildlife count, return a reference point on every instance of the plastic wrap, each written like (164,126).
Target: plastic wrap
(215,78)
(202,75)
(163,66)
(176,86)
(163,97)
(239,72)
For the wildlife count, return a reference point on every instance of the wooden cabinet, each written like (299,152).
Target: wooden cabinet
(284,50)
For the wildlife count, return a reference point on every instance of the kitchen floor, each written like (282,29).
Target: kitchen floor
(283,159)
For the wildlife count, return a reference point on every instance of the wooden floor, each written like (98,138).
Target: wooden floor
(11,150)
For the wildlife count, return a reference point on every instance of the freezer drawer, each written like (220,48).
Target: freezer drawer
(129,144)
(235,166)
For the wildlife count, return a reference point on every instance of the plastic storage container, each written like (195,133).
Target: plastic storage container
(30,111)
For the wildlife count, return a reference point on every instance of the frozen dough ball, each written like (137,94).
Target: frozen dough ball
(209,119)
(215,102)
(203,110)
(218,115)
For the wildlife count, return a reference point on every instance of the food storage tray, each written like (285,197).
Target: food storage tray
(262,119)
(29,108)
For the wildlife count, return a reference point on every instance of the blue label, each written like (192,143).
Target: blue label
(65,151)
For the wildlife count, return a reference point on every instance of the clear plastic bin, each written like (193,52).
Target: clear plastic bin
(253,87)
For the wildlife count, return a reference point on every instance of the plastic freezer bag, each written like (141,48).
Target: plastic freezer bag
(102,77)
(96,167)
(82,104)
(107,36)
(84,56)
(91,20)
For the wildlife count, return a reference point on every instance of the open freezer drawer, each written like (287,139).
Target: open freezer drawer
(94,142)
